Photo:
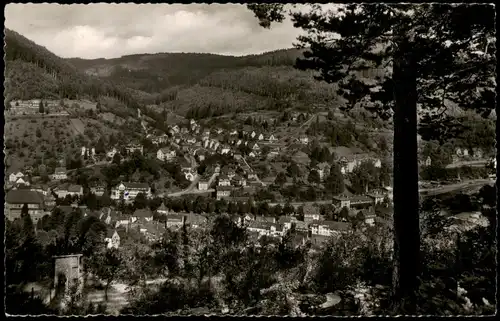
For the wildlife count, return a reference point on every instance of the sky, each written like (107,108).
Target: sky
(114,30)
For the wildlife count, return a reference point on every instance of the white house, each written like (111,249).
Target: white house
(225,150)
(233,133)
(255,147)
(21,181)
(112,239)
(253,134)
(14,177)
(224,180)
(272,139)
(60,174)
(238,143)
(176,129)
(261,137)
(83,150)
(203,185)
(304,140)
(165,154)
(189,176)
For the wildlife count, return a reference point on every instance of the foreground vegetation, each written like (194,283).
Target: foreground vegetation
(219,268)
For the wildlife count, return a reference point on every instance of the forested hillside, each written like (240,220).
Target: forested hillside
(32,71)
(206,85)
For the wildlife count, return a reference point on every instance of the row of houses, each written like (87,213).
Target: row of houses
(474,152)
(271,226)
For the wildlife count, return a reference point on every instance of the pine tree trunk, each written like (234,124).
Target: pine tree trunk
(406,197)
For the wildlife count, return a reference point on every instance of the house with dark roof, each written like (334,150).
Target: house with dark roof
(175,221)
(142,215)
(15,200)
(68,189)
(239,180)
(223,192)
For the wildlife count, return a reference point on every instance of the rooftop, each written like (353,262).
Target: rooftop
(333,225)
(24,197)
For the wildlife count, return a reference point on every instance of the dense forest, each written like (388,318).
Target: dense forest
(192,84)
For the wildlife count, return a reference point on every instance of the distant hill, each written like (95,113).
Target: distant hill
(156,72)
(206,85)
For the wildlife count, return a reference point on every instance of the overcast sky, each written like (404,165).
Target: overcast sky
(114,30)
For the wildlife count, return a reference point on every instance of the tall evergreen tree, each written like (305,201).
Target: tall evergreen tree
(436,53)
(41,109)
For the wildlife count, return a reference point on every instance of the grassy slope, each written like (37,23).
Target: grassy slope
(24,130)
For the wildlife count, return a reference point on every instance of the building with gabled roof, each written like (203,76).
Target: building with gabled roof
(112,239)
(163,210)
(165,154)
(143,215)
(15,200)
(328,228)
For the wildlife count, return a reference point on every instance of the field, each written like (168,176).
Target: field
(112,118)
(78,126)
(85,104)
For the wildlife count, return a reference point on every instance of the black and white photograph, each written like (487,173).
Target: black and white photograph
(253,159)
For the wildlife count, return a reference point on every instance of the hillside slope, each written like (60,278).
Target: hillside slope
(206,85)
(32,71)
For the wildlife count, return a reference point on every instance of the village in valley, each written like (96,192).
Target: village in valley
(269,183)
(118,199)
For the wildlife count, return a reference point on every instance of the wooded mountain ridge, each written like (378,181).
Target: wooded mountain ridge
(201,84)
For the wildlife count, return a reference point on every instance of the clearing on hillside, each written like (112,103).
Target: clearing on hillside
(78,126)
